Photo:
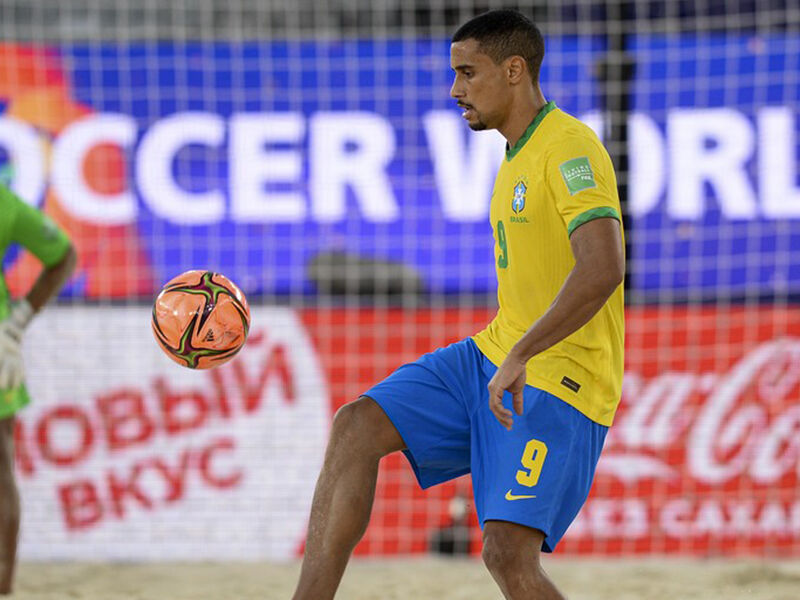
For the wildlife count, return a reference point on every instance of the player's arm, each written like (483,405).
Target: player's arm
(581,178)
(599,269)
(52,279)
(39,235)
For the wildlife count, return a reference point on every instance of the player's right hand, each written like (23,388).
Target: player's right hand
(510,376)
(11,368)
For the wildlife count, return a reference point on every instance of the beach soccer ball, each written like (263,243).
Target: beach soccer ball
(200,319)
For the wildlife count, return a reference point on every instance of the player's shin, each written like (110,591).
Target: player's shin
(9,507)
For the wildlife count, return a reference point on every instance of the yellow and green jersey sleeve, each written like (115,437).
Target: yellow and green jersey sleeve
(556,178)
(581,178)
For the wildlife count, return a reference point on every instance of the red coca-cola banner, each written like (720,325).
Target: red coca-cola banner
(703,457)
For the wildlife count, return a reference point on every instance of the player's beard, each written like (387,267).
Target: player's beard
(478,124)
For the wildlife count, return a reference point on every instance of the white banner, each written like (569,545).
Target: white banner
(123,454)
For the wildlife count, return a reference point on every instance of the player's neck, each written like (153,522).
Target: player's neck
(522,115)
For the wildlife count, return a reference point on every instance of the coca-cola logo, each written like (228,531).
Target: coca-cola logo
(712,427)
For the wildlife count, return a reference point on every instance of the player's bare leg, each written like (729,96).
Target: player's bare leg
(9,506)
(361,435)
(511,553)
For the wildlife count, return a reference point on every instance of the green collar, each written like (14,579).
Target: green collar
(512,152)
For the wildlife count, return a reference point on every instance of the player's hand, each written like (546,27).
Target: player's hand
(509,376)
(11,369)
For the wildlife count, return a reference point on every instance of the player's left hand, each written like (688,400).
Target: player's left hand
(509,376)
(11,369)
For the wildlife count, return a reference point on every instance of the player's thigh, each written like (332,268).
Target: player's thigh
(539,473)
(427,401)
(7,449)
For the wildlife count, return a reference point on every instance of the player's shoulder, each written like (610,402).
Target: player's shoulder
(569,138)
(6,196)
(14,210)
(8,199)
(9,203)
(565,130)
(8,212)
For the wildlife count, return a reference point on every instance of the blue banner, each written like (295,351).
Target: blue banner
(254,158)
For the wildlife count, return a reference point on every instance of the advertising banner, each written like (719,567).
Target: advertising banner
(702,457)
(258,158)
(125,455)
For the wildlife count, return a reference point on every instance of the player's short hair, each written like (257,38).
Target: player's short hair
(504,33)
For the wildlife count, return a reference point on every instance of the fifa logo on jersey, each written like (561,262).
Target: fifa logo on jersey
(518,203)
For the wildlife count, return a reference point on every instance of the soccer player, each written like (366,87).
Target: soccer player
(33,230)
(524,405)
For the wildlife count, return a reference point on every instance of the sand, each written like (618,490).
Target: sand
(416,579)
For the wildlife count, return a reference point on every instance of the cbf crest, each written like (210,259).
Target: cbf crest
(520,191)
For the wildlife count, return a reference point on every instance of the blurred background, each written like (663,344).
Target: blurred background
(311,152)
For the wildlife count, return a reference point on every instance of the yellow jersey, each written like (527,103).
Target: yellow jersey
(557,177)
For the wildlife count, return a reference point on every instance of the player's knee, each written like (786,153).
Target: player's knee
(505,552)
(498,555)
(362,426)
(9,499)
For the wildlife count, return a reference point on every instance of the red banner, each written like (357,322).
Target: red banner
(703,457)
(123,453)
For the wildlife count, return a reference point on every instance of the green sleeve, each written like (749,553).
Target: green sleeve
(32,229)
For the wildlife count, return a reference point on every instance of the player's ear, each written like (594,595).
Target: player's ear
(515,69)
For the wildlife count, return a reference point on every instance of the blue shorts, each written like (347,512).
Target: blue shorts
(538,474)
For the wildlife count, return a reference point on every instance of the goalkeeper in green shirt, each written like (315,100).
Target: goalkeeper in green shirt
(33,230)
